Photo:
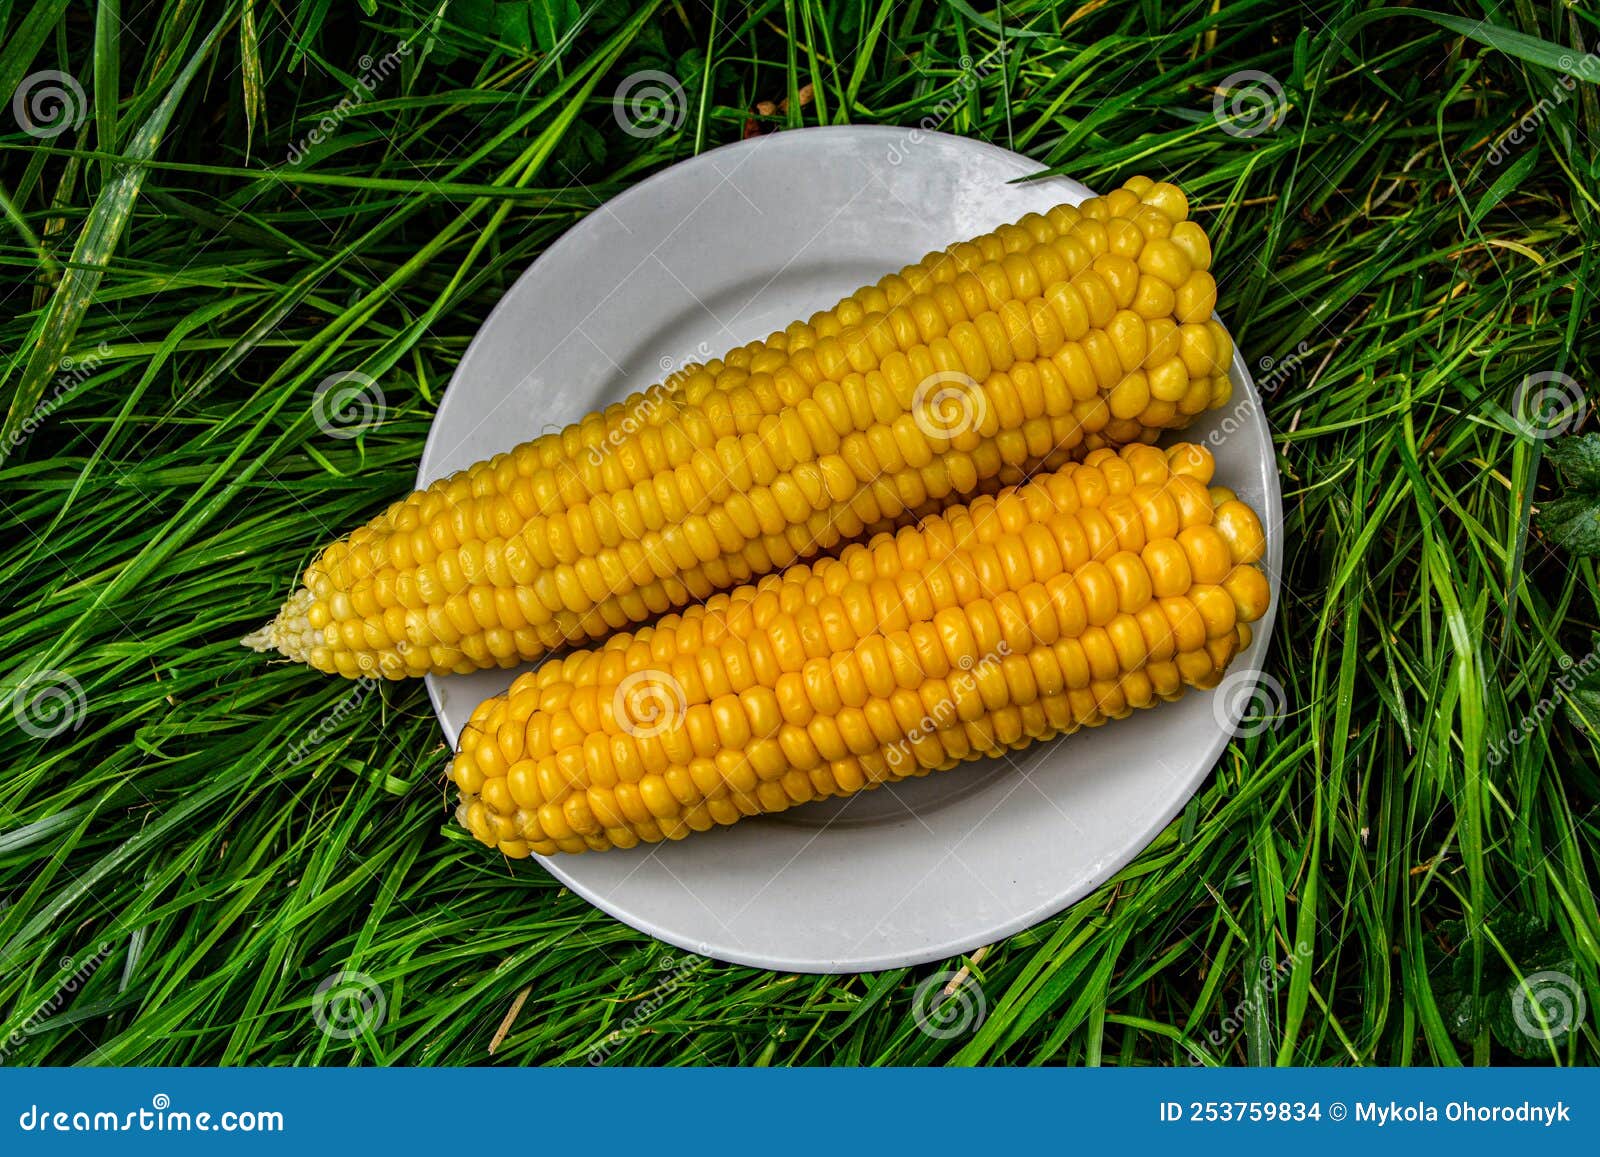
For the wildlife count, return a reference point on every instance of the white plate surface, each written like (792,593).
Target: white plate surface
(712,253)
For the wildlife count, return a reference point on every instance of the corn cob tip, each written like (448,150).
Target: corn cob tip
(260,640)
(287,631)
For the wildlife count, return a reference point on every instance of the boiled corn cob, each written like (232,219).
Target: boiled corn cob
(1071,330)
(1074,598)
(592,437)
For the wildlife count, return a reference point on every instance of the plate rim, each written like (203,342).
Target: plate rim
(1188,787)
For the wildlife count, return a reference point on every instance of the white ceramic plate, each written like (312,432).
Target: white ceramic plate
(712,253)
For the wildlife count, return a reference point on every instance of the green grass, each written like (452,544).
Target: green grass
(159,491)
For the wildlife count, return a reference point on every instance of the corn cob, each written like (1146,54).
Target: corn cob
(591,437)
(1075,598)
(1075,329)
(1158,206)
